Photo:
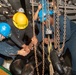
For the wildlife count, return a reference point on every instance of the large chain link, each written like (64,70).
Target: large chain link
(43,55)
(36,60)
(57,29)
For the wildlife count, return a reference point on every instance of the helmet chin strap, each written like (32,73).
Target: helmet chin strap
(1,37)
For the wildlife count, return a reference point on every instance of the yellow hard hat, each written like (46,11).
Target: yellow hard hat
(20,20)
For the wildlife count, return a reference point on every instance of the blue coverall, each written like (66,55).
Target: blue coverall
(70,39)
(9,47)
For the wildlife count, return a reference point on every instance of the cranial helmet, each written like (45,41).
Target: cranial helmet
(20,20)
(43,14)
(5,29)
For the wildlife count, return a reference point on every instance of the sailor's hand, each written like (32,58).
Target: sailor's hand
(23,52)
(47,42)
(34,40)
(39,6)
(25,47)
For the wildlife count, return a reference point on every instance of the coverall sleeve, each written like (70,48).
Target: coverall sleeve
(29,31)
(16,40)
(68,29)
